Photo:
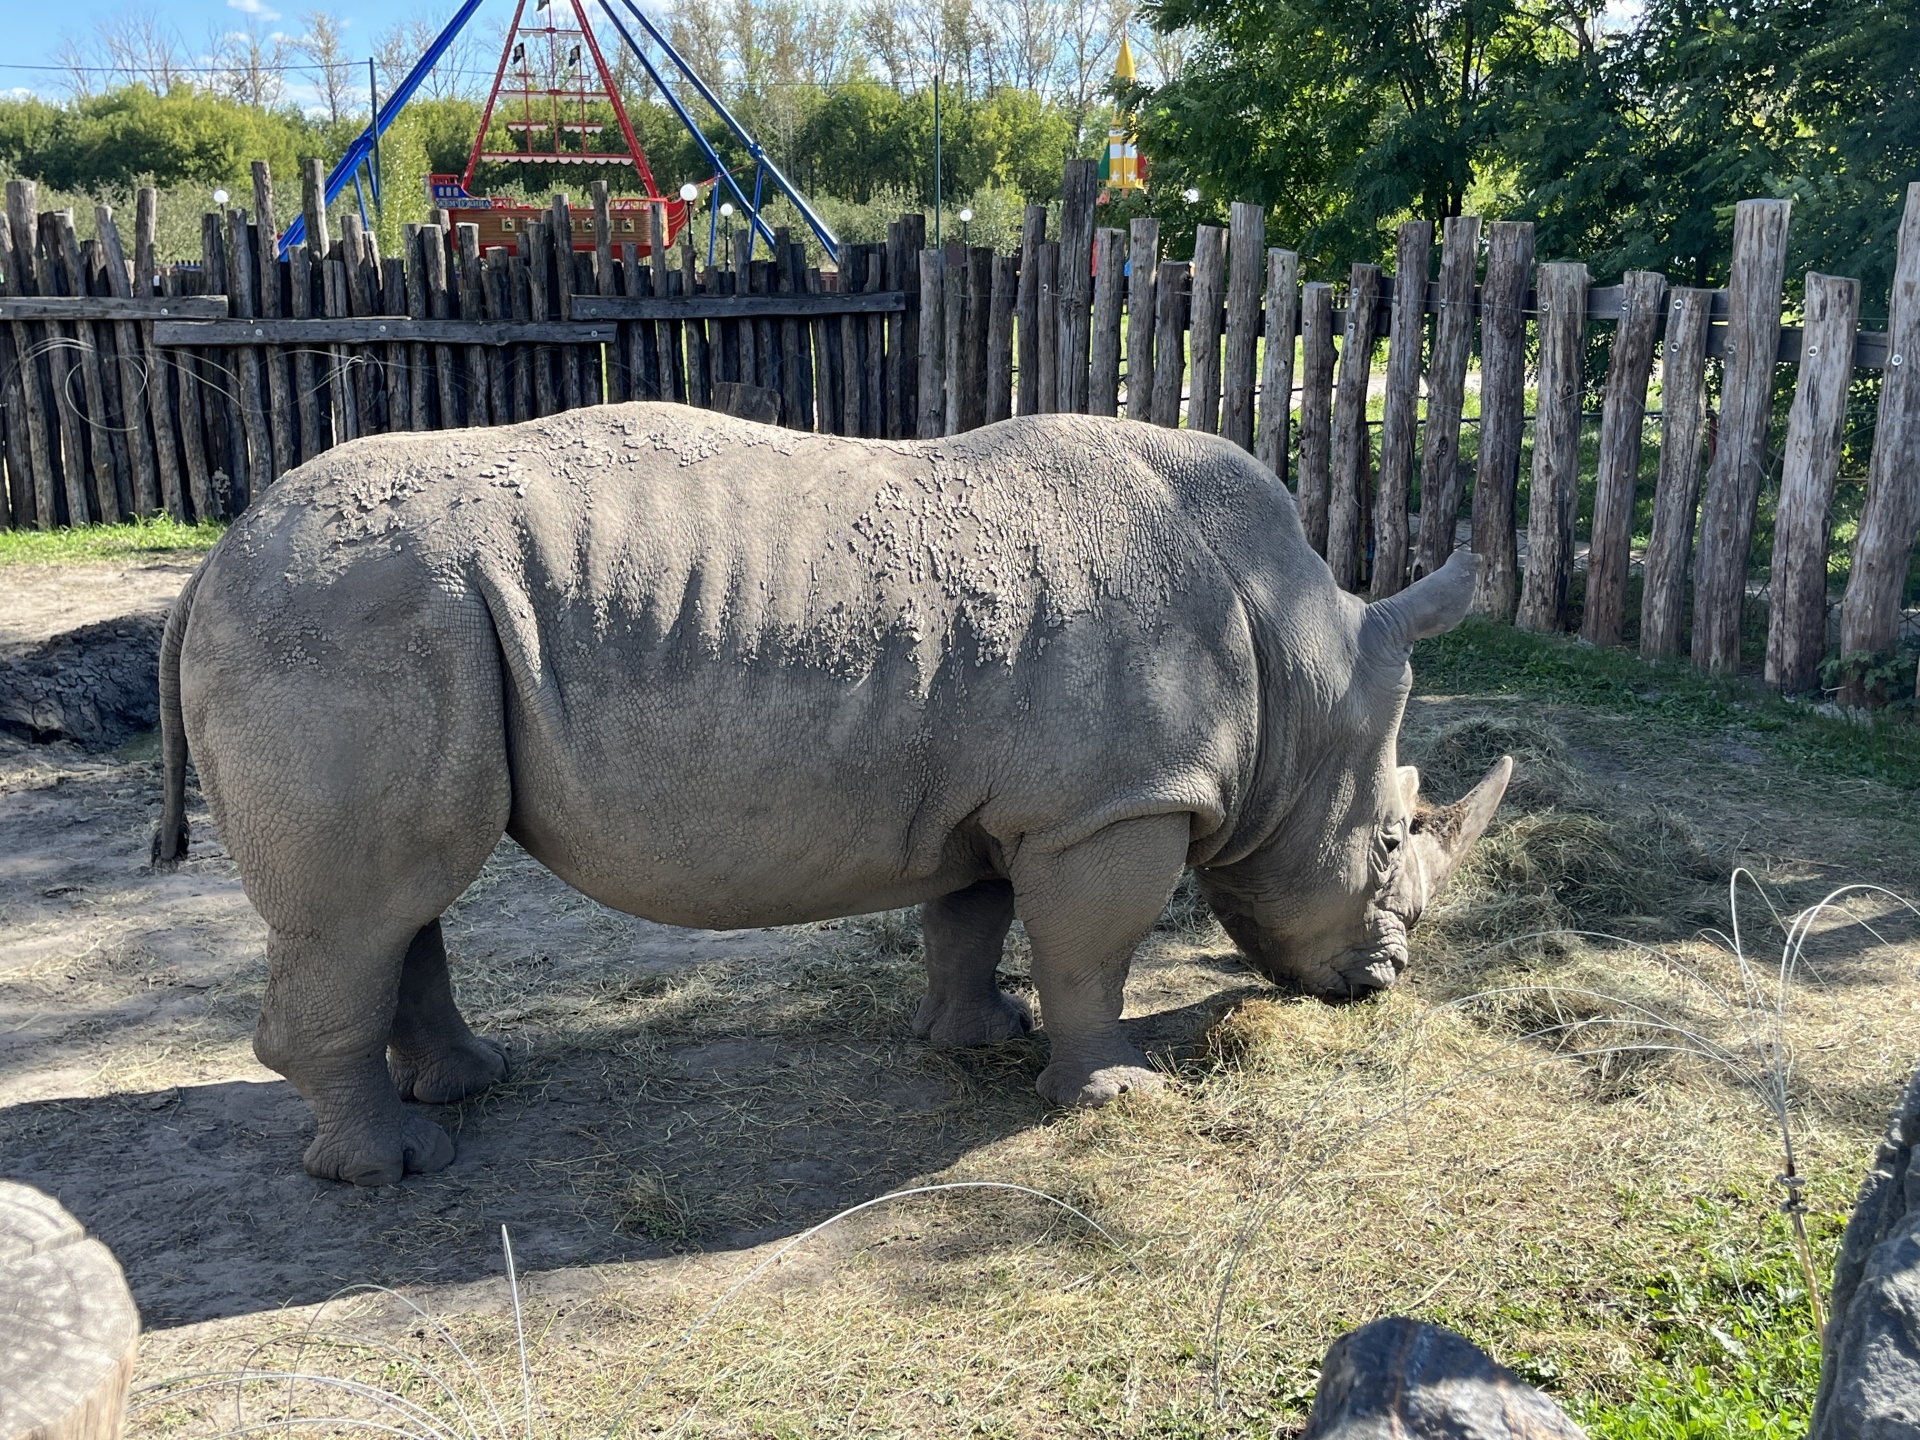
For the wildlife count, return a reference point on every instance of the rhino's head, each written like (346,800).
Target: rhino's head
(1327,901)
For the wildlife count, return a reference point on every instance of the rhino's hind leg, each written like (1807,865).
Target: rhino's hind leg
(431,1053)
(964,934)
(1085,909)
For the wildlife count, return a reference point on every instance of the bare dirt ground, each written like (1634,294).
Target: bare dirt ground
(680,1102)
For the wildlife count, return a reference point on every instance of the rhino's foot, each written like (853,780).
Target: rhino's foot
(1068,1082)
(453,1072)
(418,1147)
(973,1021)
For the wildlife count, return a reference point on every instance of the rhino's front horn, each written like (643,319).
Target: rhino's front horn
(1442,837)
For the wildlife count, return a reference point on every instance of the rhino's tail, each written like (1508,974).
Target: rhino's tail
(170,837)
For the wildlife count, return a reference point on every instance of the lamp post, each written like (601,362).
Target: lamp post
(966,219)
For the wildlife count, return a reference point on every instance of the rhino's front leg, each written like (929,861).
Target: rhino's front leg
(1085,909)
(965,934)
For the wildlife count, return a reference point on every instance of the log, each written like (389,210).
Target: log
(1033,234)
(226,436)
(70,1323)
(1047,329)
(433,284)
(1398,1377)
(699,354)
(1203,341)
(1170,340)
(159,369)
(253,403)
(852,376)
(1740,446)
(1103,386)
(1797,622)
(1143,262)
(1503,375)
(1246,241)
(876,325)
(1006,285)
(954,343)
(1352,442)
(931,391)
(1073,282)
(1282,323)
(892,373)
(195,441)
(1683,428)
(21,421)
(1554,496)
(266,263)
(481,406)
(42,441)
(1400,415)
(913,230)
(1316,410)
(1883,548)
(1623,416)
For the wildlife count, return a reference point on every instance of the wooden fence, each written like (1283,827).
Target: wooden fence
(136,389)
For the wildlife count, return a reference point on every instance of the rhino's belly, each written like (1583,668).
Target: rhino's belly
(725,796)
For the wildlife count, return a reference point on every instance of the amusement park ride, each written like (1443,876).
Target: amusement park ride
(547,92)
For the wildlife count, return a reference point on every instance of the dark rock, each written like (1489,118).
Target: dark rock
(97,685)
(1870,1361)
(1399,1379)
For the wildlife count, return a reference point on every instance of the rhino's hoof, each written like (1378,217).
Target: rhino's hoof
(419,1148)
(1067,1084)
(978,1022)
(465,1068)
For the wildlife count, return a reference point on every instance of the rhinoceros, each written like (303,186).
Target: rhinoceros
(719,674)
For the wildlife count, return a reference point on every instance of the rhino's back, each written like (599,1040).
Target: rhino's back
(731,646)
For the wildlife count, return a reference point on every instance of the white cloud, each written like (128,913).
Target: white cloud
(254,7)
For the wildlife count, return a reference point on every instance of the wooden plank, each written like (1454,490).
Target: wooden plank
(532,294)
(472,307)
(1883,548)
(156,368)
(63,345)
(1797,622)
(1209,291)
(876,356)
(1073,282)
(953,343)
(1026,306)
(666,335)
(1316,411)
(699,356)
(1399,416)
(1503,366)
(496,299)
(1443,481)
(1246,239)
(748,340)
(747,402)
(1675,498)
(433,280)
(399,381)
(266,264)
(1281,323)
(826,385)
(559,233)
(931,395)
(1001,302)
(795,366)
(24,435)
(96,423)
(43,436)
(195,441)
(1352,441)
(913,231)
(852,280)
(363,294)
(1046,327)
(1103,383)
(347,411)
(974,339)
(420,383)
(241,254)
(219,412)
(1623,418)
(893,277)
(1740,445)
(729,307)
(1143,261)
(73,308)
(1170,289)
(1555,492)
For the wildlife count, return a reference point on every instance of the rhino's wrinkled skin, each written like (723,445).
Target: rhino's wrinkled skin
(724,675)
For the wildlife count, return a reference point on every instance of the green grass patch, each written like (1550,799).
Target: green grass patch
(1483,658)
(158,537)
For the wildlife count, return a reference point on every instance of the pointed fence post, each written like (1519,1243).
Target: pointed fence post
(1399,415)
(1555,492)
(1622,425)
(1352,442)
(1442,480)
(1282,324)
(1683,426)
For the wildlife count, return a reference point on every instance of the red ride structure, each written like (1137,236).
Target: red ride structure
(548,90)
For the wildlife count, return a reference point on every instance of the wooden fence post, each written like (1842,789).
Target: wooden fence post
(267,264)
(1740,448)
(1398,417)
(1316,409)
(1006,283)
(1103,387)
(1622,426)
(913,238)
(253,406)
(60,360)
(974,338)
(1046,325)
(1169,340)
(932,389)
(1352,442)
(137,370)
(1555,492)
(1246,246)
(1683,411)
(1442,480)
(1870,614)
(1276,374)
(1033,234)
(1503,363)
(42,430)
(953,342)
(28,463)
(1797,623)
(1209,294)
(1073,282)
(1143,263)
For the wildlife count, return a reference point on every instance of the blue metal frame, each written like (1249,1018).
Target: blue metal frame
(763,163)
(361,150)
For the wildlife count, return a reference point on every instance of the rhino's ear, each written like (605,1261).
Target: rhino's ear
(1409,779)
(1432,605)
